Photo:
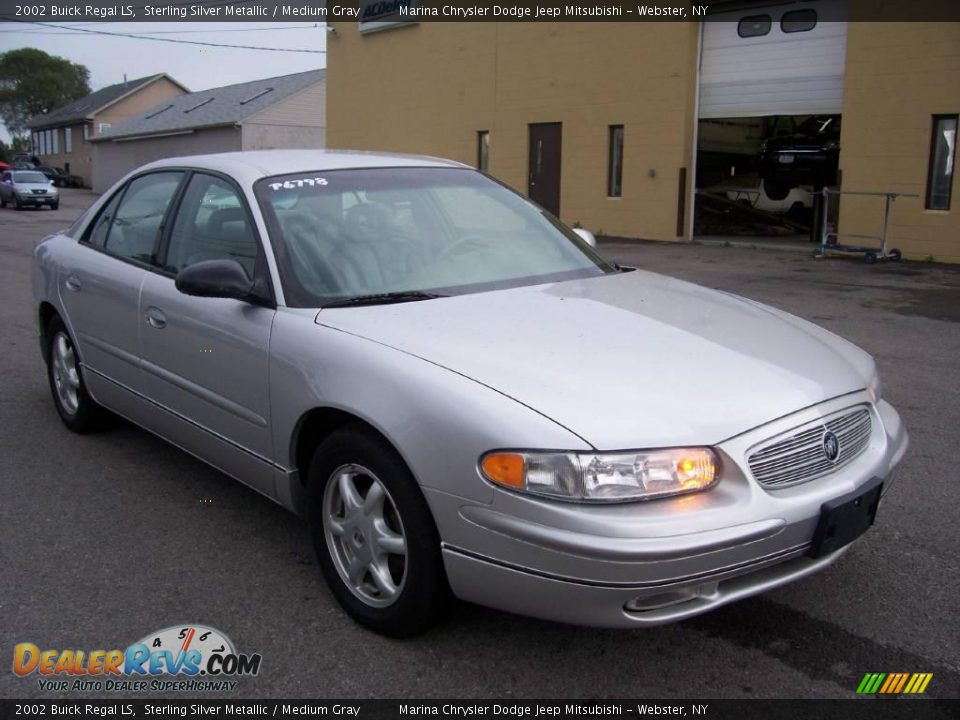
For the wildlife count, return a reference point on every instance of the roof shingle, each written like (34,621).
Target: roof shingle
(209,108)
(83,108)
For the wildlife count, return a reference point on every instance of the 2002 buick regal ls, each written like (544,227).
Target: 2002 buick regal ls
(459,393)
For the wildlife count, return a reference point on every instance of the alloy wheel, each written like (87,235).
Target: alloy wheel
(365,535)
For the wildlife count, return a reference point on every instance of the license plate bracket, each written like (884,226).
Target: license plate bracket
(844,519)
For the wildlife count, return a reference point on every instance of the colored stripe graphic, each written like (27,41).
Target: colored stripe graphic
(894,683)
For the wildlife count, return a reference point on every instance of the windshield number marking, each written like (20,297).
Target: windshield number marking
(293,184)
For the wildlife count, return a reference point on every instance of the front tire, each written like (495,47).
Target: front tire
(375,538)
(55,205)
(79,412)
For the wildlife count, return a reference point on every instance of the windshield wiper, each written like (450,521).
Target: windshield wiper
(383,299)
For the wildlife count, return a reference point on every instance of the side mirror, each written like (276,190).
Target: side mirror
(215,278)
(586,236)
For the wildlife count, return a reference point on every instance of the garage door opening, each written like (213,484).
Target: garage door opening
(771,92)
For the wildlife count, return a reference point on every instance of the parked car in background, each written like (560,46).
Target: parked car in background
(460,393)
(59,177)
(25,159)
(808,156)
(27,188)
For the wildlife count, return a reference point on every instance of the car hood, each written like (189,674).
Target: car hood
(629,360)
(33,186)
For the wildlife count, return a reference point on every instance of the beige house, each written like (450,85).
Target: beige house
(601,121)
(62,138)
(279,112)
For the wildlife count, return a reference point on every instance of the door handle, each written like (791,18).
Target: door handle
(156,318)
(73,283)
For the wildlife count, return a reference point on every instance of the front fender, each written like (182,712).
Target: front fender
(439,421)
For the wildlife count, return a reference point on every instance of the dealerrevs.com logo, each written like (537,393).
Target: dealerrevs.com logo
(186,658)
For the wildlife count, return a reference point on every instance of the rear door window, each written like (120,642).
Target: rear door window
(133,230)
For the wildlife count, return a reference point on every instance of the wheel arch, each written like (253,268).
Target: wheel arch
(316,425)
(45,313)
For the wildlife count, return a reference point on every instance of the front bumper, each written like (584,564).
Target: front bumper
(37,199)
(655,562)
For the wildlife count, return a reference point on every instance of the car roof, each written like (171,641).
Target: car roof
(252,165)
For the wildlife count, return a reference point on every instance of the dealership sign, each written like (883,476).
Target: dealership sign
(385,14)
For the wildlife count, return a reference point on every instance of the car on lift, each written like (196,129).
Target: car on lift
(808,156)
(459,393)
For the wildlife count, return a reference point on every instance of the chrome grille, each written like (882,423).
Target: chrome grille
(799,457)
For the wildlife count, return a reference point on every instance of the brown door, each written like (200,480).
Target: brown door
(544,189)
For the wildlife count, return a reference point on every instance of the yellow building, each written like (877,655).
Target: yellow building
(604,121)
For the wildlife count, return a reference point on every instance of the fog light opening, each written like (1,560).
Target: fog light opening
(646,603)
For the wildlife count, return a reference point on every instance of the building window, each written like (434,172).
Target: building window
(86,131)
(615,162)
(943,153)
(483,151)
(754,26)
(42,147)
(68,140)
(34,142)
(55,145)
(103,128)
(798,21)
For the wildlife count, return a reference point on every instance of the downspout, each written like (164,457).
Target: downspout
(696,136)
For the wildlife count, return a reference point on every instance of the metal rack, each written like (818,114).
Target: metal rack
(828,240)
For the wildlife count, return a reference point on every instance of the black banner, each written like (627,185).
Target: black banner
(373,11)
(865,709)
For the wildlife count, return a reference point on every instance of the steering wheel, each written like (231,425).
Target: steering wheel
(466,244)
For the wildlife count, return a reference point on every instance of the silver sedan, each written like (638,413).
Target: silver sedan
(460,394)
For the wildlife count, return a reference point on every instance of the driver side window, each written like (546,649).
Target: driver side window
(212,224)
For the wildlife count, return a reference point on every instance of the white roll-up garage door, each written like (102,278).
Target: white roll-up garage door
(779,59)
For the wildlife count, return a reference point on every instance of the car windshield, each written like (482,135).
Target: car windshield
(438,231)
(30,177)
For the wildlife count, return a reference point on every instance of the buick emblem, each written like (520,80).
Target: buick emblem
(831,446)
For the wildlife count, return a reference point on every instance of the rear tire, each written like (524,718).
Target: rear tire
(776,190)
(374,536)
(79,412)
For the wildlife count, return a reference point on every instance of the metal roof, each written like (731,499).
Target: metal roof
(85,107)
(210,108)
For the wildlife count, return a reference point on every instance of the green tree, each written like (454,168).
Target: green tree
(33,82)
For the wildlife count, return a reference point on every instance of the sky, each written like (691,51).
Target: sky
(198,68)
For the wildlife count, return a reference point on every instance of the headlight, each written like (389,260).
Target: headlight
(874,388)
(604,477)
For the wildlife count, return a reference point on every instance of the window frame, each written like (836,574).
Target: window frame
(754,18)
(799,11)
(262,275)
(935,123)
(615,164)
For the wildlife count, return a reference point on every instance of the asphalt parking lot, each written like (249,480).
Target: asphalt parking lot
(106,538)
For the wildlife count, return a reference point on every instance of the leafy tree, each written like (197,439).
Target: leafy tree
(33,82)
